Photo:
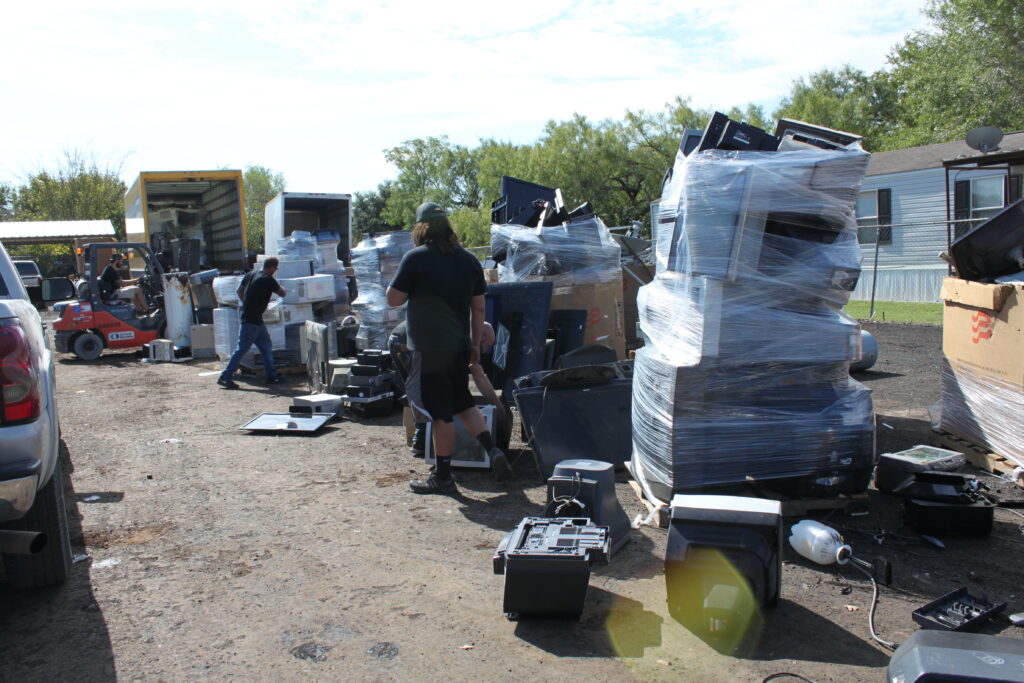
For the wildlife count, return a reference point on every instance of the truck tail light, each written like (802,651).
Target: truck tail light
(19,378)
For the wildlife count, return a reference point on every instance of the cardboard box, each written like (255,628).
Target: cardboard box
(634,276)
(410,425)
(983,372)
(603,303)
(301,290)
(983,328)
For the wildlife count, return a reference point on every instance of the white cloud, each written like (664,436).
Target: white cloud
(318,89)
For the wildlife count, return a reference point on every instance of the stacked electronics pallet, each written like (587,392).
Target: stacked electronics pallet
(375,261)
(745,373)
(371,384)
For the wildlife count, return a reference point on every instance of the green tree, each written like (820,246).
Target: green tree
(368,212)
(846,99)
(966,71)
(80,187)
(434,170)
(260,186)
(8,193)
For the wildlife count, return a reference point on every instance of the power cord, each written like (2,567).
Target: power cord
(559,503)
(787,674)
(874,604)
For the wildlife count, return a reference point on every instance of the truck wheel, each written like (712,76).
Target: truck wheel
(53,564)
(88,346)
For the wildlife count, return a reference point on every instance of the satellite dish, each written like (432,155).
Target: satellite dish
(984,139)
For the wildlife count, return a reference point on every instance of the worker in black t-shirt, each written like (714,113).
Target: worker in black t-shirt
(251,329)
(119,286)
(444,287)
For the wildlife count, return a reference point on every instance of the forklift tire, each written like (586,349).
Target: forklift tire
(88,346)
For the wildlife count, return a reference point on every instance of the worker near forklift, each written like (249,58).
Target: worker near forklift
(444,287)
(118,290)
(255,297)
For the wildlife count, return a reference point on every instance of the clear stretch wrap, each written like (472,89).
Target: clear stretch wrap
(581,251)
(224,289)
(375,261)
(763,217)
(299,245)
(744,375)
(984,410)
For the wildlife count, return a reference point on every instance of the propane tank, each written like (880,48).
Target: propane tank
(868,353)
(819,543)
(178,309)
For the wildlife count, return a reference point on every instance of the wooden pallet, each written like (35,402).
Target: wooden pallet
(976,455)
(791,507)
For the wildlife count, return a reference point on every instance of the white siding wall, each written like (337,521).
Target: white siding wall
(910,269)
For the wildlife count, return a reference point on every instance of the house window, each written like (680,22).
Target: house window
(874,216)
(980,198)
(986,196)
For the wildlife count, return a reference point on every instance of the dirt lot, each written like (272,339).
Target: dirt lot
(224,555)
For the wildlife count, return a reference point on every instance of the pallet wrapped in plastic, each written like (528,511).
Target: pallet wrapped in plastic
(578,252)
(806,429)
(744,373)
(983,409)
(375,260)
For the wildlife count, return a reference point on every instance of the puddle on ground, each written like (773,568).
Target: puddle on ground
(383,650)
(314,652)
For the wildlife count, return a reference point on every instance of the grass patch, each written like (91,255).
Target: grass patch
(897,312)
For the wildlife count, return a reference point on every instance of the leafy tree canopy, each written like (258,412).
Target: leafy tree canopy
(260,185)
(79,187)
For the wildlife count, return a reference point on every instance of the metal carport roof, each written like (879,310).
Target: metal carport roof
(30,232)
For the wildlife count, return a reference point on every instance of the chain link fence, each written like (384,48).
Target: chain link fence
(901,272)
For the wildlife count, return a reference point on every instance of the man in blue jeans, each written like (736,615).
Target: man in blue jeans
(255,297)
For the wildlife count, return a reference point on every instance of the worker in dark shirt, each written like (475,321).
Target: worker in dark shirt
(407,367)
(444,287)
(252,330)
(120,288)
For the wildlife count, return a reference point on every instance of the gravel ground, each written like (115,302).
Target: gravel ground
(205,552)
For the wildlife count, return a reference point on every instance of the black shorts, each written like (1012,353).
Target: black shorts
(438,387)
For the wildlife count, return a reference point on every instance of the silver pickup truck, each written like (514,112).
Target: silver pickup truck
(34,544)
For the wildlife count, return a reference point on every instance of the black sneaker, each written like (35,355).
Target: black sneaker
(276,379)
(499,465)
(227,383)
(432,484)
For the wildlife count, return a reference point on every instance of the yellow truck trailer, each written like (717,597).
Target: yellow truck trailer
(194,219)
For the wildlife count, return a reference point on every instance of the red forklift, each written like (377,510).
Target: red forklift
(97,320)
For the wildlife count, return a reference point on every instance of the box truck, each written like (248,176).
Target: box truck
(194,219)
(312,212)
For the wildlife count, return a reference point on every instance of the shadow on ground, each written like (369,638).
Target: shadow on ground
(34,623)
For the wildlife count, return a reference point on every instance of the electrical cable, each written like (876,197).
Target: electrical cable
(788,674)
(874,604)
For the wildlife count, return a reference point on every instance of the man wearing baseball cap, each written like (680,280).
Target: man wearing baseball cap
(444,287)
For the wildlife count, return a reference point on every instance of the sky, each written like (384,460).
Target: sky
(317,90)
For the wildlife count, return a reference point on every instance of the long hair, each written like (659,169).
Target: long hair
(437,233)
